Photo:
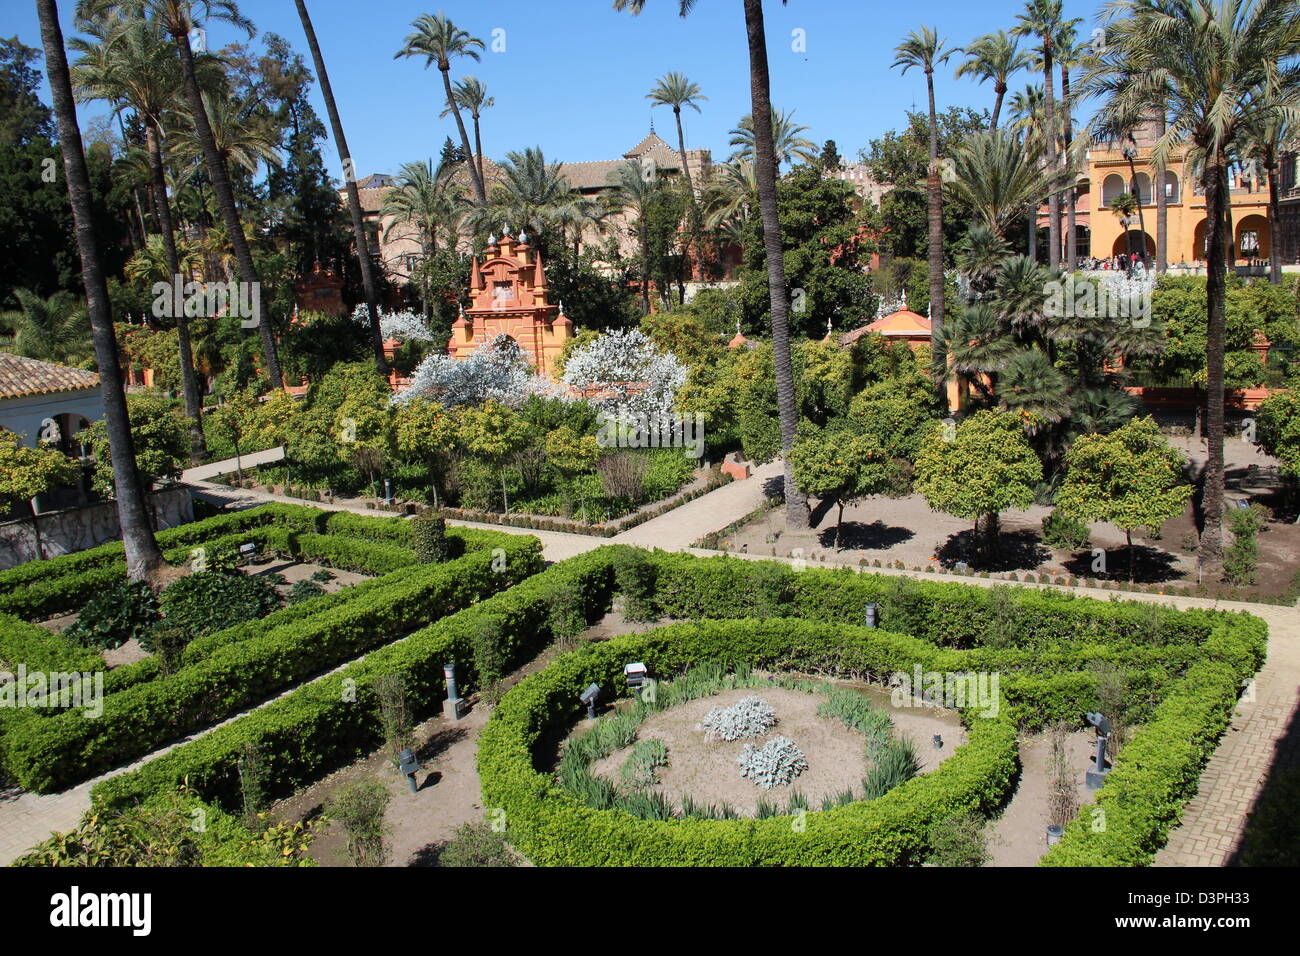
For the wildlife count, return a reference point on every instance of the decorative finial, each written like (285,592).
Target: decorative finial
(929,310)
(904,297)
(505,230)
(523,236)
(828,325)
(492,239)
(737,326)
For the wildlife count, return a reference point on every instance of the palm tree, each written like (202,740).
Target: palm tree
(354,198)
(1028,120)
(636,193)
(428,199)
(471,94)
(995,177)
(177,18)
(1210,63)
(128,63)
(786,139)
(994,56)
(730,198)
(1068,53)
(925,49)
(1124,206)
(142,553)
(1042,19)
(439,40)
(1266,137)
(675,90)
(51,330)
(157,263)
(765,166)
(532,196)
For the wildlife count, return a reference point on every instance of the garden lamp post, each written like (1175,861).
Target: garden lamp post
(1097,775)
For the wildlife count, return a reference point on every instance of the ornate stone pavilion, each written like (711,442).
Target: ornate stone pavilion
(509,297)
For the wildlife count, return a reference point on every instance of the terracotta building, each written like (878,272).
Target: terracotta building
(509,297)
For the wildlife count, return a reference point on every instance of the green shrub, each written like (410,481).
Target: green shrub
(208,601)
(360,808)
(476,844)
(1241,561)
(1062,531)
(958,841)
(635,576)
(429,537)
(303,590)
(125,611)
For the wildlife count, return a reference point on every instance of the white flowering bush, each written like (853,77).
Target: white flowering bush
(496,370)
(748,717)
(404,326)
(775,764)
(627,373)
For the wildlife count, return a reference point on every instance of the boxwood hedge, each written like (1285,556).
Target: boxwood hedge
(46,751)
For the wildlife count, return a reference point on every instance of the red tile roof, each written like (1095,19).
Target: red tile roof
(21,376)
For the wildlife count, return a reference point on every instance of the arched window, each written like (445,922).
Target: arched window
(1173,192)
(1144,193)
(1112,188)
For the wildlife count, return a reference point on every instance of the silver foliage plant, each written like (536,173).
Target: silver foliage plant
(775,764)
(627,373)
(404,326)
(748,717)
(496,370)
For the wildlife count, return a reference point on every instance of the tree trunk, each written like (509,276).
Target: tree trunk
(220,179)
(1215,291)
(1049,135)
(354,199)
(1129,535)
(1137,196)
(480,195)
(1001,90)
(1162,210)
(478,149)
(690,193)
(934,218)
(1032,250)
(1067,127)
(796,502)
(189,381)
(839,523)
(1274,225)
(142,554)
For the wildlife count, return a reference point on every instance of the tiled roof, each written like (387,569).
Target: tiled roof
(647,144)
(21,376)
(903,323)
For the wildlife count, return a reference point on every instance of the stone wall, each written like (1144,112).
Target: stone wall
(76,529)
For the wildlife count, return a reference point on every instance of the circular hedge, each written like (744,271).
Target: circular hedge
(552,827)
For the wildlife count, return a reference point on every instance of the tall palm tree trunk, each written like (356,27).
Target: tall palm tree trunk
(220,180)
(690,194)
(142,553)
(1071,237)
(189,381)
(1274,225)
(1001,91)
(1049,137)
(1136,189)
(475,177)
(934,217)
(1162,208)
(478,150)
(796,502)
(354,198)
(1215,290)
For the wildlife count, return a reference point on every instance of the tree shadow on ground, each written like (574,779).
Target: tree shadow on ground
(774,487)
(439,743)
(1016,551)
(1151,565)
(856,536)
(428,855)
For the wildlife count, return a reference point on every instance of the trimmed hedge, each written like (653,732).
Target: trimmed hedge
(331,721)
(50,753)
(553,827)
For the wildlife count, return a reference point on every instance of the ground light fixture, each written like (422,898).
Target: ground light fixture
(451,707)
(869,615)
(588,697)
(636,675)
(410,767)
(1097,775)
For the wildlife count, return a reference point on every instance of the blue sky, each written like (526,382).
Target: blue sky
(573,74)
